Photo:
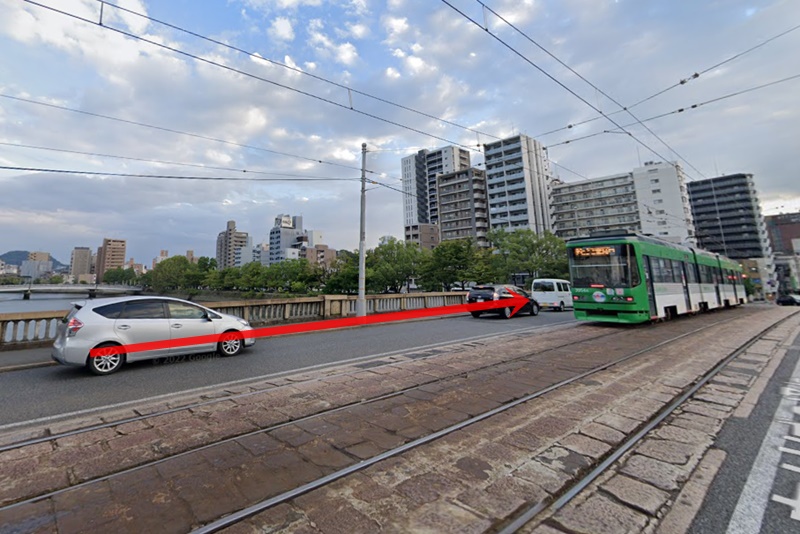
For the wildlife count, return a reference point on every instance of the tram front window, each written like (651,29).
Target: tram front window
(603,266)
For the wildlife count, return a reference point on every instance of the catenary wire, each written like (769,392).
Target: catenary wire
(297,70)
(551,77)
(248,74)
(160,162)
(289,178)
(592,85)
(174,131)
(686,108)
(683,81)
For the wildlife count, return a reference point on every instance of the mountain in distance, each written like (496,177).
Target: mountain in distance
(16,257)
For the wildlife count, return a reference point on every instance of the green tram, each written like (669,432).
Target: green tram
(631,278)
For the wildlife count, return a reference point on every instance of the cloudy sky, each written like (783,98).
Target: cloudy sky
(246,109)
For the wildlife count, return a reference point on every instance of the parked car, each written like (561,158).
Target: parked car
(121,321)
(483,293)
(788,300)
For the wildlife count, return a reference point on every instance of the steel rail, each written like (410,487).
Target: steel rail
(51,437)
(366,463)
(628,444)
(250,511)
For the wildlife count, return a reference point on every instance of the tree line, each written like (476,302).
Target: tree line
(515,257)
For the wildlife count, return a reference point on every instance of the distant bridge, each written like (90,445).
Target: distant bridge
(80,289)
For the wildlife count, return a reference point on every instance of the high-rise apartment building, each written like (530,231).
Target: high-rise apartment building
(80,261)
(518,184)
(419,172)
(247,253)
(651,200)
(461,197)
(727,216)
(111,255)
(728,220)
(227,242)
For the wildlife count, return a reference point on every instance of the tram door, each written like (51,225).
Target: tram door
(685,280)
(717,282)
(651,293)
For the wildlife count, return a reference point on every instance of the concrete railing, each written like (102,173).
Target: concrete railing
(38,329)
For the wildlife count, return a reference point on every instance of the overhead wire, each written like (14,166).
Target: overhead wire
(247,74)
(685,108)
(297,70)
(595,87)
(288,178)
(551,77)
(683,81)
(145,160)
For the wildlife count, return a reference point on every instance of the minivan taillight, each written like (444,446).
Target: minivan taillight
(73,326)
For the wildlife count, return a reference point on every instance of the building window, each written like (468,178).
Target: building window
(656,191)
(658,201)
(654,180)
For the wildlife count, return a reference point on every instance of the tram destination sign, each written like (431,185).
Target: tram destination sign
(583,252)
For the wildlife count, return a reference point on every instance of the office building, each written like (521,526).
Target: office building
(283,239)
(247,253)
(80,261)
(461,200)
(518,184)
(227,242)
(782,230)
(651,200)
(425,235)
(419,172)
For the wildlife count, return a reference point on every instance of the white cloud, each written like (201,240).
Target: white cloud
(281,29)
(391,72)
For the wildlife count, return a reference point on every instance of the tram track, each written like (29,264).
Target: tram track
(448,347)
(258,384)
(331,475)
(524,517)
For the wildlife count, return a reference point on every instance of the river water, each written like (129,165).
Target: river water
(13,303)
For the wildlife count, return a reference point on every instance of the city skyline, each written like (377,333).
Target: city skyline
(424,56)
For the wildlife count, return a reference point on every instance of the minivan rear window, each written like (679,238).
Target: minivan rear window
(110,311)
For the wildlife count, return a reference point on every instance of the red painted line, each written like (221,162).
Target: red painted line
(517,302)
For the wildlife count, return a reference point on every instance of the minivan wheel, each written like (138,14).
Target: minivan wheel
(476,314)
(106,362)
(560,307)
(534,309)
(507,313)
(230,344)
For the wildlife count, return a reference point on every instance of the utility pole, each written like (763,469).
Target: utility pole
(361,303)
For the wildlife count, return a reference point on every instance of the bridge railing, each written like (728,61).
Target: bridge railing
(38,329)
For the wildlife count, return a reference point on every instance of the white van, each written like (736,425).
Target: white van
(552,293)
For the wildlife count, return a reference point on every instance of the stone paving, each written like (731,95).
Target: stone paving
(467,481)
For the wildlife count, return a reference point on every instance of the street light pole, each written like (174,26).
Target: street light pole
(361,303)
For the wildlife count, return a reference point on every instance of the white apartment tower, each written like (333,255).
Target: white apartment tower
(419,173)
(518,184)
(651,200)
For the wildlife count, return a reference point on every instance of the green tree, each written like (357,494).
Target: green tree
(393,264)
(342,276)
(170,274)
(521,255)
(448,263)
(119,276)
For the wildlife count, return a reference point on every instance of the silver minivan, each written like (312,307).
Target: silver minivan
(105,327)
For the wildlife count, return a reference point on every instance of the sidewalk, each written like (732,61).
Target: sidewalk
(15,360)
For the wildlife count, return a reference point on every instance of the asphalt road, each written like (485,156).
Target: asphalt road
(47,392)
